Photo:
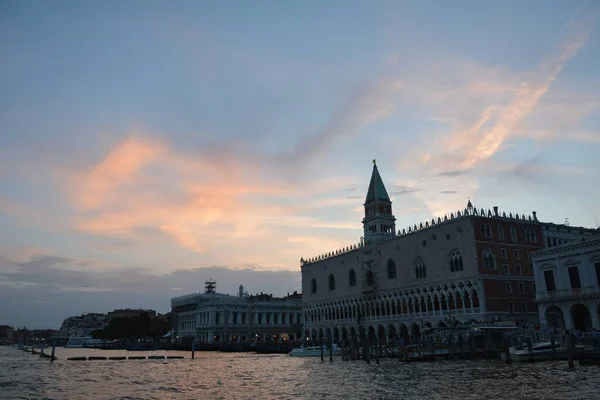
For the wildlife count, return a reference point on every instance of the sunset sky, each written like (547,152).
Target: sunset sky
(146,146)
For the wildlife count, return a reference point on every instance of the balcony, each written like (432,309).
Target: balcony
(566,294)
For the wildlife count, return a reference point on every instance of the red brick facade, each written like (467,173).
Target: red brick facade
(508,278)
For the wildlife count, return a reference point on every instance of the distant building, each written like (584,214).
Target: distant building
(213,317)
(130,313)
(83,325)
(568,284)
(472,265)
(6,334)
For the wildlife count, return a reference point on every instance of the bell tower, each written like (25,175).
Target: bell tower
(379,222)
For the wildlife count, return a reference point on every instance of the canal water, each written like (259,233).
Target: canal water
(214,375)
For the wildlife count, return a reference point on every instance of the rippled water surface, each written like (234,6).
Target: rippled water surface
(250,376)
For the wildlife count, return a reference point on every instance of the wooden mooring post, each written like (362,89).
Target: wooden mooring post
(570,350)
(330,345)
(52,357)
(321,349)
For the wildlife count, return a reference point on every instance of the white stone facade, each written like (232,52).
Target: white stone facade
(184,309)
(568,285)
(215,317)
(557,235)
(422,291)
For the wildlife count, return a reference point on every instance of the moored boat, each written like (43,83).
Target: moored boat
(86,341)
(315,351)
(539,352)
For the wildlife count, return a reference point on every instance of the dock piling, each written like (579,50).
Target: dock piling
(321,349)
(52,357)
(570,350)
(193,350)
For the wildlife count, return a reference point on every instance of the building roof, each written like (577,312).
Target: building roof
(376,187)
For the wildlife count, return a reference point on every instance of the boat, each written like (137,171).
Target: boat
(315,351)
(84,341)
(539,352)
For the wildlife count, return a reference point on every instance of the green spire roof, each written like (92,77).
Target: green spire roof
(376,187)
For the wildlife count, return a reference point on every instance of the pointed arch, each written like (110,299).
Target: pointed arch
(314,285)
(370,278)
(331,282)
(500,232)
(420,269)
(488,259)
(351,278)
(513,234)
(391,269)
(456,261)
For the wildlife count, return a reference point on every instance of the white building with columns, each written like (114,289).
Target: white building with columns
(213,317)
(568,285)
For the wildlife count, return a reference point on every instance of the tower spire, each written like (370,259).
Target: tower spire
(379,220)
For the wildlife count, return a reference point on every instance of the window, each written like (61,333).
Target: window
(391,267)
(521,288)
(351,278)
(511,307)
(524,307)
(500,232)
(533,288)
(456,261)
(519,270)
(488,259)
(420,270)
(549,279)
(513,234)
(314,285)
(424,243)
(331,282)
(370,278)
(503,253)
(529,235)
(597,266)
(506,270)
(486,231)
(508,287)
(447,236)
(516,254)
(574,278)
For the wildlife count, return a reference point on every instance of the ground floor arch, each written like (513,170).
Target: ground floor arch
(415,331)
(554,317)
(392,334)
(582,320)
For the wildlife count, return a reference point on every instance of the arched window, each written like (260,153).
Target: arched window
(488,231)
(500,232)
(456,261)
(314,285)
(420,270)
(513,234)
(370,278)
(331,282)
(351,278)
(488,259)
(391,269)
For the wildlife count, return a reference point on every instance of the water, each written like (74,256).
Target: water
(251,376)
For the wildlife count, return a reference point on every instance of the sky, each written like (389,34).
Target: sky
(146,146)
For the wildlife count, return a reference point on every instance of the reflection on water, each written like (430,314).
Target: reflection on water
(252,376)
